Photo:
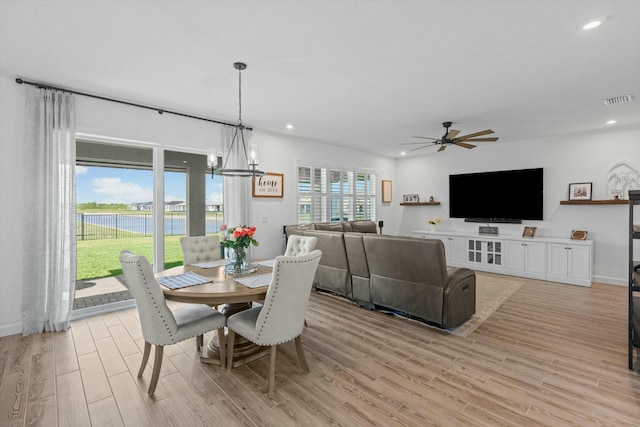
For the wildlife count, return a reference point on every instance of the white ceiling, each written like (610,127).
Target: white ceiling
(364,74)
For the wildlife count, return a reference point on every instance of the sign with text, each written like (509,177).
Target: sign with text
(269,185)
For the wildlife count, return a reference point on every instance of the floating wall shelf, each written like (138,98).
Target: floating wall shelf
(594,202)
(420,204)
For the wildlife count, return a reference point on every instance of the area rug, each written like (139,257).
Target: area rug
(492,291)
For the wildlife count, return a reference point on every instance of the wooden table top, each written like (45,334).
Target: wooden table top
(221,290)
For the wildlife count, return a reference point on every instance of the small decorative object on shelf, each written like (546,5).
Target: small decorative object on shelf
(529,232)
(410,198)
(580,191)
(578,235)
(432,223)
(239,239)
(431,199)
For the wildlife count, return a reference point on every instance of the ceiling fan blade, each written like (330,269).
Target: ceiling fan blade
(462,144)
(480,139)
(416,143)
(442,148)
(426,137)
(420,148)
(452,133)
(471,135)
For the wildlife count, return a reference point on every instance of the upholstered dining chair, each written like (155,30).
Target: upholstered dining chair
(200,249)
(281,317)
(300,245)
(160,325)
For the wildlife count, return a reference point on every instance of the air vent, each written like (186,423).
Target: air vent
(617,100)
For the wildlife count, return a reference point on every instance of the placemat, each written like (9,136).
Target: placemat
(255,281)
(267,263)
(182,280)
(212,264)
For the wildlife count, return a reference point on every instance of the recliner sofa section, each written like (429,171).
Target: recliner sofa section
(404,274)
(411,275)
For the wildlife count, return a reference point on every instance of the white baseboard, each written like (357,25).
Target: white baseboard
(610,280)
(11,329)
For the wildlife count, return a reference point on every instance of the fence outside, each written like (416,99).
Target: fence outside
(95,226)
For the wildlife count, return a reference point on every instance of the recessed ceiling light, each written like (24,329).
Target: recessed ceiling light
(289,126)
(612,122)
(402,153)
(592,23)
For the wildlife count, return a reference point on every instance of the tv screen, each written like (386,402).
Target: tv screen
(501,196)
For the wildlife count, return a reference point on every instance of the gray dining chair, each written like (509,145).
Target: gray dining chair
(281,318)
(300,245)
(160,325)
(200,249)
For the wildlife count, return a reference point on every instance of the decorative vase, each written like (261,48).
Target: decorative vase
(432,227)
(240,262)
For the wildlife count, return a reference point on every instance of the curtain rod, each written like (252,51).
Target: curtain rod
(133,104)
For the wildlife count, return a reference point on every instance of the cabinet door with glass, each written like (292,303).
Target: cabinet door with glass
(487,252)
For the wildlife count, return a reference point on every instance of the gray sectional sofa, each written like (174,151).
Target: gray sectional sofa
(405,274)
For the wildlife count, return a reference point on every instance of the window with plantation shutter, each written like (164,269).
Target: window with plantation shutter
(335,194)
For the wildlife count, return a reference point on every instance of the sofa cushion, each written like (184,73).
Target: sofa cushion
(358,268)
(333,272)
(364,226)
(407,274)
(346,226)
(298,229)
(328,226)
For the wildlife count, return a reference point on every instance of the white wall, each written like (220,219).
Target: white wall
(280,154)
(584,157)
(12,106)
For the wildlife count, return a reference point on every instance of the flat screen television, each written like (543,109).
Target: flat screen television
(502,196)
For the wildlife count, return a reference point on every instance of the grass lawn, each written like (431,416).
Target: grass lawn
(99,258)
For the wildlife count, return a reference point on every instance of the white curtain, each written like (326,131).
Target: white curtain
(237,190)
(49,211)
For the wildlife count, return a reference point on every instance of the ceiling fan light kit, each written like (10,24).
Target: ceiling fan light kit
(451,137)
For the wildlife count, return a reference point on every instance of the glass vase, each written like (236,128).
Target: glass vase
(240,261)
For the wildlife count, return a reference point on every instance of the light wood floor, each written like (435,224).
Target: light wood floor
(551,355)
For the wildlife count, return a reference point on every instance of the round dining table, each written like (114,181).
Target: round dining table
(229,296)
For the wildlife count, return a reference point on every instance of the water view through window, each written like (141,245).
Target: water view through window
(115,212)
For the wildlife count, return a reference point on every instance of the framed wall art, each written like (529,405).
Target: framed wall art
(580,191)
(529,232)
(386,191)
(269,185)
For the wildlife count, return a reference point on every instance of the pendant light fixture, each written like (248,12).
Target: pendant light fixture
(247,154)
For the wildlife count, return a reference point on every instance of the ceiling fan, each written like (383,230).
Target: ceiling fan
(451,137)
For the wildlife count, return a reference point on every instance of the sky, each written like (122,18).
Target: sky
(117,185)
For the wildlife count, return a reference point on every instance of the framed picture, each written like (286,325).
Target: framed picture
(580,191)
(386,191)
(410,198)
(269,185)
(529,232)
(578,235)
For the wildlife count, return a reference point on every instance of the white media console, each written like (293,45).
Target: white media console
(544,258)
